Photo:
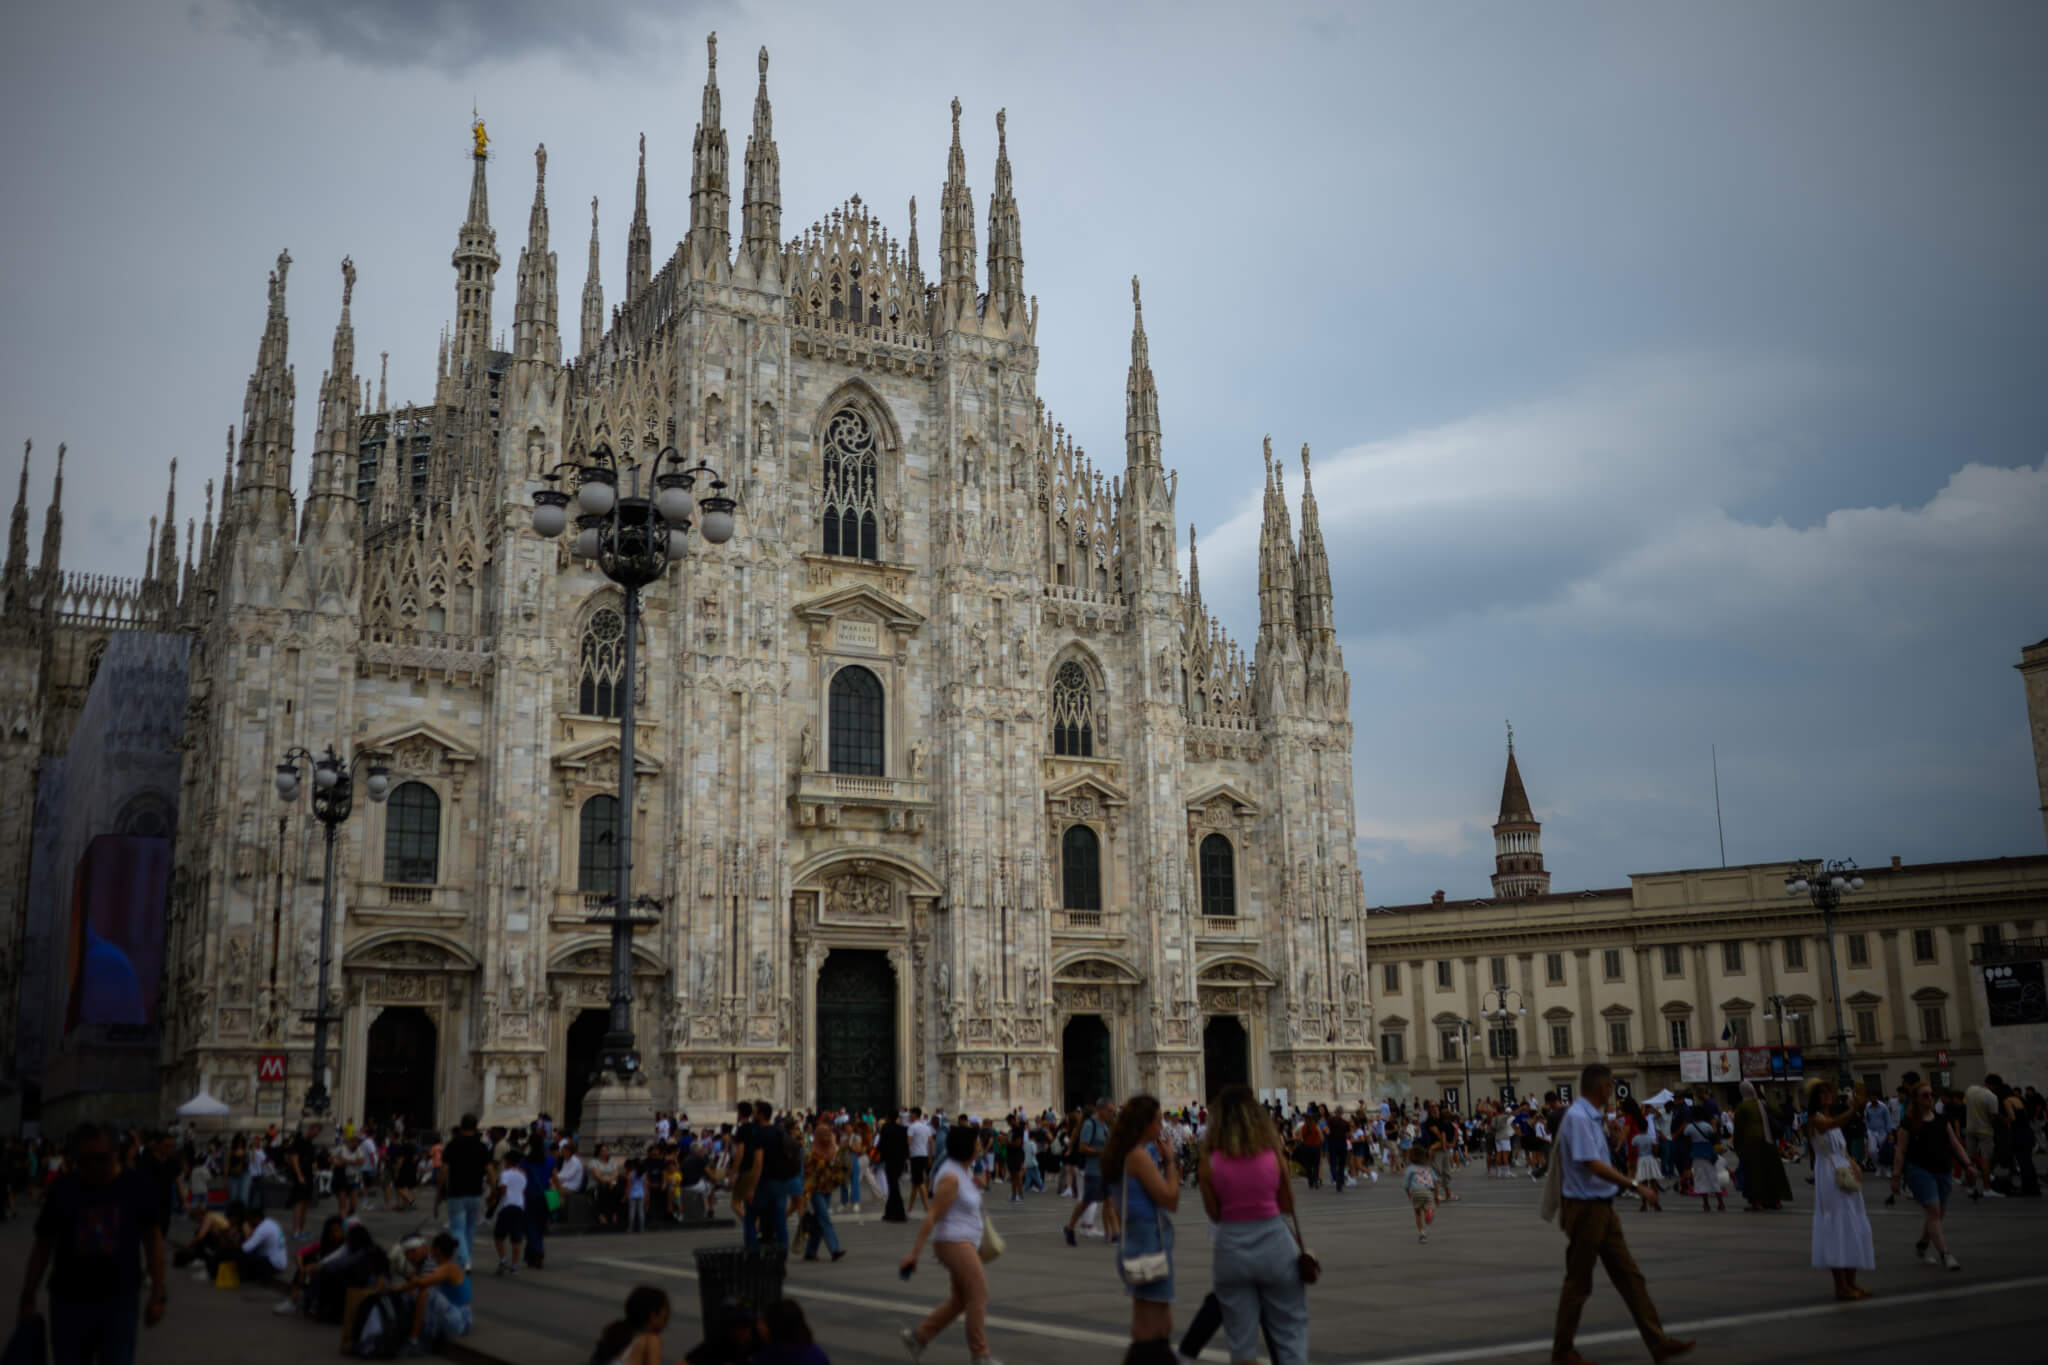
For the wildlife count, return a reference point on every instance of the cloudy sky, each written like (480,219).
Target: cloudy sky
(1675,374)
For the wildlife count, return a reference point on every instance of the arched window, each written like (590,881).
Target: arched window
(851,508)
(1219,877)
(601,670)
(856,723)
(1081,868)
(1073,712)
(597,845)
(412,834)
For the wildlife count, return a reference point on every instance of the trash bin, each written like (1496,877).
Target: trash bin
(737,1277)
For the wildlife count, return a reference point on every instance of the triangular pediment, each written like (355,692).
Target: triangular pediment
(1089,784)
(894,613)
(411,737)
(1223,791)
(580,756)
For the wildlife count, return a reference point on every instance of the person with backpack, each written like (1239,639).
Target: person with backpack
(442,1308)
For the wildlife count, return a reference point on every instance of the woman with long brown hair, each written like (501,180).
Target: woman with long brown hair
(1140,1181)
(1246,1192)
(1923,1155)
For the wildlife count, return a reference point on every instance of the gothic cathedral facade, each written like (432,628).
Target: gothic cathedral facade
(950,790)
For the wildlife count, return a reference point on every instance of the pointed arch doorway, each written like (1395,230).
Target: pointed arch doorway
(857,1031)
(399,1071)
(1084,1061)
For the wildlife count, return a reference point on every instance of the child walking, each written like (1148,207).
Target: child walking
(1649,1170)
(1419,1181)
(636,1198)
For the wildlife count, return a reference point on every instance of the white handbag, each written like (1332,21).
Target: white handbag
(1146,1267)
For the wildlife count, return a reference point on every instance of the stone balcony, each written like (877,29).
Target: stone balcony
(418,903)
(1092,924)
(895,803)
(1226,929)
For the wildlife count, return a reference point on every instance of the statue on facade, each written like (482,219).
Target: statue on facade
(807,749)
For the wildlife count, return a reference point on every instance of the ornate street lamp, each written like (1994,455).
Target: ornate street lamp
(334,787)
(633,538)
(1781,1013)
(1494,1005)
(1827,882)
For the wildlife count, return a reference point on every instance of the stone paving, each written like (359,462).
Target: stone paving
(1483,1289)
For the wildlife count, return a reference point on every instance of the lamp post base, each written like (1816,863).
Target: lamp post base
(618,1113)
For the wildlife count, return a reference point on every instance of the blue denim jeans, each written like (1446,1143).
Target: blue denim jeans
(768,1215)
(849,1193)
(464,1213)
(100,1333)
(821,1214)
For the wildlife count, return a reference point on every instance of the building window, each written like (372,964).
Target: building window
(1560,1040)
(1617,1036)
(1610,963)
(1802,1029)
(1219,877)
(856,722)
(1795,954)
(1443,973)
(1731,957)
(1923,945)
(1073,712)
(412,834)
(1738,1029)
(1866,1027)
(1449,1038)
(1503,1040)
(1674,960)
(1933,1024)
(601,670)
(1497,969)
(1993,935)
(597,846)
(1390,978)
(1553,968)
(1081,868)
(1859,950)
(851,505)
(1681,1033)
(1391,1050)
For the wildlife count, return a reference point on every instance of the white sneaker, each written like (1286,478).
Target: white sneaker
(1949,1261)
(285,1306)
(912,1344)
(199,1275)
(1422,1237)
(1927,1254)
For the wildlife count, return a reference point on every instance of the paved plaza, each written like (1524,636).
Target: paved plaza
(1483,1289)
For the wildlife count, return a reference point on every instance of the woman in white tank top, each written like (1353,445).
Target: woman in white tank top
(953,1226)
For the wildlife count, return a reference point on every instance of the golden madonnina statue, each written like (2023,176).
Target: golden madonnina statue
(482,138)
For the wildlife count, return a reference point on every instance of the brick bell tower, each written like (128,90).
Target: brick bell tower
(1517,839)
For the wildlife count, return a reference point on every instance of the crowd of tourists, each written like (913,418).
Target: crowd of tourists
(241,1207)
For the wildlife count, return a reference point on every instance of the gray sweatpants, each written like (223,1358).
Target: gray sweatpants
(1256,1278)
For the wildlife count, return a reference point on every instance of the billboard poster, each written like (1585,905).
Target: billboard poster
(1724,1065)
(1756,1063)
(1692,1065)
(115,953)
(2013,994)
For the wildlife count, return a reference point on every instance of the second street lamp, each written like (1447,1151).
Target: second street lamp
(633,538)
(1827,882)
(334,789)
(1494,1005)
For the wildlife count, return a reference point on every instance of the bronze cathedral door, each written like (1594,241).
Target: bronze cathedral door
(857,1031)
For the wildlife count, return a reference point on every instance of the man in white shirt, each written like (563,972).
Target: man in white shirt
(1588,1183)
(264,1253)
(570,1173)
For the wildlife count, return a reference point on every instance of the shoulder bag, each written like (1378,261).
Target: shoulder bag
(1305,1263)
(1147,1267)
(992,1244)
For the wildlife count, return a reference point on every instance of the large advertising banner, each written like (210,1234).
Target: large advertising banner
(1756,1064)
(1724,1065)
(1692,1065)
(116,947)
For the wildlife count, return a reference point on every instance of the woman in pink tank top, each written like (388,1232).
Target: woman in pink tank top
(1246,1192)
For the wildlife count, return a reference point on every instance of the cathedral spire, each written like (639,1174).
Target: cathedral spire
(17,528)
(1194,577)
(1314,614)
(334,445)
(1517,838)
(475,260)
(205,532)
(535,333)
(1276,555)
(167,545)
(956,236)
(710,240)
(227,483)
(1005,237)
(761,210)
(593,294)
(639,237)
(53,528)
(383,373)
(1141,395)
(267,417)
(910,251)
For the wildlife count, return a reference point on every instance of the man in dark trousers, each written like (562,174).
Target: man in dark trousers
(892,1149)
(1586,1214)
(96,1233)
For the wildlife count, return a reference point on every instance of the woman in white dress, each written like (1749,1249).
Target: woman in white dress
(1706,1176)
(1842,1243)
